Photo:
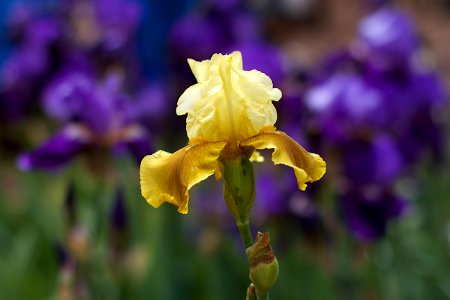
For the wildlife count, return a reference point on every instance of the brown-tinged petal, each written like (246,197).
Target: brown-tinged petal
(167,177)
(308,167)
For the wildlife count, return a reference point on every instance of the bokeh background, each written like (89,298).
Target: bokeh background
(88,87)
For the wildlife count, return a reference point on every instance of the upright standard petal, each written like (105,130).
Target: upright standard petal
(308,167)
(227,103)
(168,177)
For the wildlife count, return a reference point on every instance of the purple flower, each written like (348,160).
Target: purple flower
(387,38)
(373,108)
(119,20)
(76,96)
(108,24)
(378,161)
(23,71)
(367,213)
(344,103)
(32,56)
(198,36)
(98,114)
(135,140)
(153,104)
(344,96)
(58,150)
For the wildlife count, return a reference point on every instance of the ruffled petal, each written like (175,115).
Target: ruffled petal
(167,177)
(227,103)
(200,69)
(308,167)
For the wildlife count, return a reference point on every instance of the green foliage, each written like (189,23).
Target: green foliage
(171,256)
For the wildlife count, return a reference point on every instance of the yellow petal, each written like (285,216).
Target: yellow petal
(200,69)
(167,177)
(308,167)
(228,103)
(256,156)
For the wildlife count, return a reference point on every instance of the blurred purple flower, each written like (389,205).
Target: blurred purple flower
(198,36)
(377,161)
(76,96)
(195,37)
(367,213)
(97,114)
(343,104)
(154,103)
(24,70)
(374,111)
(102,23)
(387,37)
(56,151)
(119,20)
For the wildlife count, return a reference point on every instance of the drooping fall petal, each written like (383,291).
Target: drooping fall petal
(57,151)
(308,167)
(167,177)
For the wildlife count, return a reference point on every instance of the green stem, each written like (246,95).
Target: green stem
(262,295)
(246,234)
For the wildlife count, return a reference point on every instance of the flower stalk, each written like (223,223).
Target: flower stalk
(239,195)
(239,187)
(246,234)
(230,117)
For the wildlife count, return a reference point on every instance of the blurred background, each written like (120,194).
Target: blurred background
(89,87)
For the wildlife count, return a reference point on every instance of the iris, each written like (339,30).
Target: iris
(229,115)
(376,109)
(95,115)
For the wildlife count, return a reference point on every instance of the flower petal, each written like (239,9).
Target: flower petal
(308,167)
(200,69)
(57,151)
(256,156)
(227,103)
(136,140)
(167,177)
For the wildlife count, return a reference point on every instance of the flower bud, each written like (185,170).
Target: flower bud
(263,263)
(239,187)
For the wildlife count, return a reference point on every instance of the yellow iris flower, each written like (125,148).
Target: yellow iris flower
(229,114)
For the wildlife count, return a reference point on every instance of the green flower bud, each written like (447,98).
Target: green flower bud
(263,263)
(239,187)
